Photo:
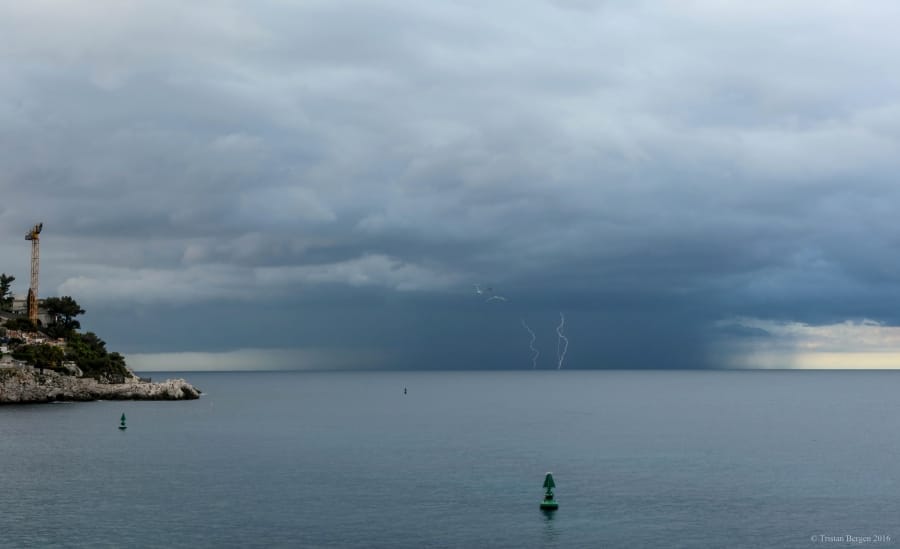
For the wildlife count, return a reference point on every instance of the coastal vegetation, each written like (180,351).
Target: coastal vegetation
(89,353)
(40,355)
(63,310)
(21,324)
(59,342)
(44,357)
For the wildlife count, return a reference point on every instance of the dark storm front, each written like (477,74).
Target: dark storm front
(639,459)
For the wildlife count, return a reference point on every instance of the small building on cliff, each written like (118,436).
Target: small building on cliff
(20,309)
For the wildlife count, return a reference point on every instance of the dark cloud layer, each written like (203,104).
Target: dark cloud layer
(216,176)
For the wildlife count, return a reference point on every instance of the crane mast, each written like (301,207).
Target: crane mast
(34,235)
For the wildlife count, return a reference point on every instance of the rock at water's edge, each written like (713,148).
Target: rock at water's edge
(23,385)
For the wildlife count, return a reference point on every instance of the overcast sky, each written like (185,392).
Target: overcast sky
(320,183)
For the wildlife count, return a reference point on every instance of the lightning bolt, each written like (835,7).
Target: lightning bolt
(560,348)
(536,354)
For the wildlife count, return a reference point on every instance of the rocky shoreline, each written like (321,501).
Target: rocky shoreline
(28,385)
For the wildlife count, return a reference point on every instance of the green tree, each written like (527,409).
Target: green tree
(6,297)
(63,310)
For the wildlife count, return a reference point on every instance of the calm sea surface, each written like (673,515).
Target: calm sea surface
(641,459)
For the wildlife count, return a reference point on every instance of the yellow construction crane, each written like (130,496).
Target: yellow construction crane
(34,235)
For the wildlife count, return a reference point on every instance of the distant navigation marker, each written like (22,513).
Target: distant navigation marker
(549,504)
(122,425)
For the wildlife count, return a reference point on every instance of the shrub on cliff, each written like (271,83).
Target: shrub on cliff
(20,323)
(89,352)
(40,356)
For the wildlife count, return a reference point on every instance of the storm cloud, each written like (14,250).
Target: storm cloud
(333,177)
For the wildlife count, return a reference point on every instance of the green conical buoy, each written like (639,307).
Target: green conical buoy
(122,425)
(549,504)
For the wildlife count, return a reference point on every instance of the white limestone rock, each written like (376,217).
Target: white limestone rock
(27,385)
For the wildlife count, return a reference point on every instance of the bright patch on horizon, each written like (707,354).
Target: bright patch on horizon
(861,345)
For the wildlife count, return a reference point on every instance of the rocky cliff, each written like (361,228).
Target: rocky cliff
(24,385)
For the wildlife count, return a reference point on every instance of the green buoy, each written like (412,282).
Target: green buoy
(549,504)
(122,425)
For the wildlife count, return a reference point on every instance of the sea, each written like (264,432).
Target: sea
(457,459)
